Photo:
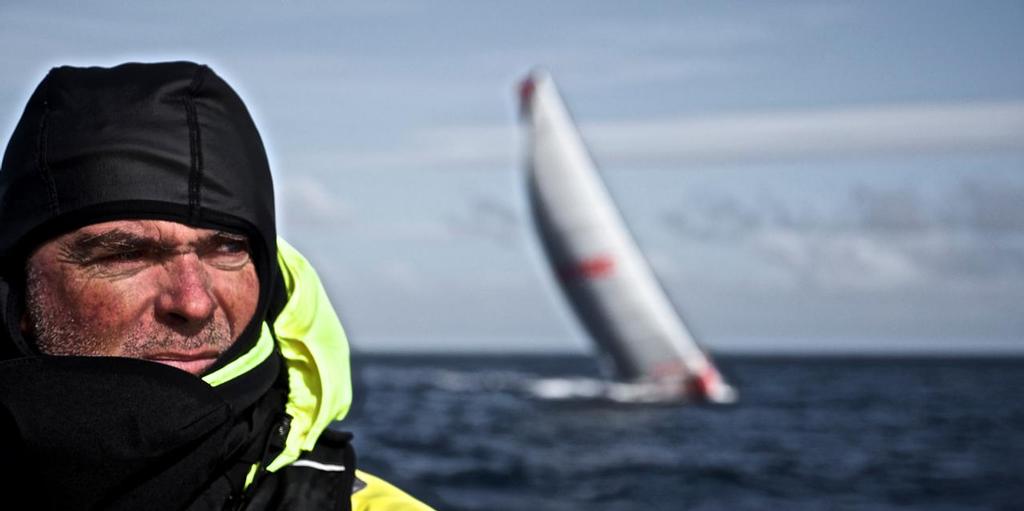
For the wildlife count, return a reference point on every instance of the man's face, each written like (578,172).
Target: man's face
(149,289)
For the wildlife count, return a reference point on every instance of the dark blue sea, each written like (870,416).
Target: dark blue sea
(465,433)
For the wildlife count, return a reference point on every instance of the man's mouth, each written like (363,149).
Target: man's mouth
(195,362)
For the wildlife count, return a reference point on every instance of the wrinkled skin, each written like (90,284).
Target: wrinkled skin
(150,289)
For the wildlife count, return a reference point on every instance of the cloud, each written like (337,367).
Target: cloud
(401,274)
(889,210)
(845,260)
(786,135)
(487,218)
(969,235)
(309,200)
(820,15)
(485,147)
(717,218)
(987,207)
(680,36)
(838,132)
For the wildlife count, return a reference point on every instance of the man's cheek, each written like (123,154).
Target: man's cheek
(107,315)
(240,294)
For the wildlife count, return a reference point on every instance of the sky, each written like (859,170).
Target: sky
(804,176)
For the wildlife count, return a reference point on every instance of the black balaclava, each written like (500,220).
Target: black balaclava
(168,141)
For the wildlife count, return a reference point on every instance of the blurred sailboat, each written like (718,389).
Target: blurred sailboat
(644,344)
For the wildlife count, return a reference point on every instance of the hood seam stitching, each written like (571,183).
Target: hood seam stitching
(195,146)
(41,148)
(195,163)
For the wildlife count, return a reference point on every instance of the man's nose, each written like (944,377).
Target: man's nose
(186,298)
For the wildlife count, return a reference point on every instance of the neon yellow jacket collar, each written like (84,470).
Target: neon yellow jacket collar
(315,351)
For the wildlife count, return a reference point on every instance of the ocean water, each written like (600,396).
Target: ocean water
(466,433)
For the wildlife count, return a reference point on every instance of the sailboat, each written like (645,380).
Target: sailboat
(647,351)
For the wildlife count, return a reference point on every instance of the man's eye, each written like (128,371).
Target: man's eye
(232,247)
(123,257)
(118,263)
(229,254)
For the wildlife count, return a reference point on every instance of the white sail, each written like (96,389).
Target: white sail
(606,279)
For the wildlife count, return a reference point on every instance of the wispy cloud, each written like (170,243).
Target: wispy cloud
(839,261)
(314,197)
(680,36)
(485,147)
(844,132)
(969,236)
(785,135)
(487,218)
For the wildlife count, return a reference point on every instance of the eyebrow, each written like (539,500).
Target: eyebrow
(82,247)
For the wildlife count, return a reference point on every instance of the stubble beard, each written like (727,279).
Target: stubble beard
(59,332)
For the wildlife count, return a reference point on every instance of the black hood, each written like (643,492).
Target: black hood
(169,141)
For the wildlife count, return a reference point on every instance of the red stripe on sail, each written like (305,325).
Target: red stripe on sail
(590,268)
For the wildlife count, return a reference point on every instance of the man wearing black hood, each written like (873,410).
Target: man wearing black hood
(160,347)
